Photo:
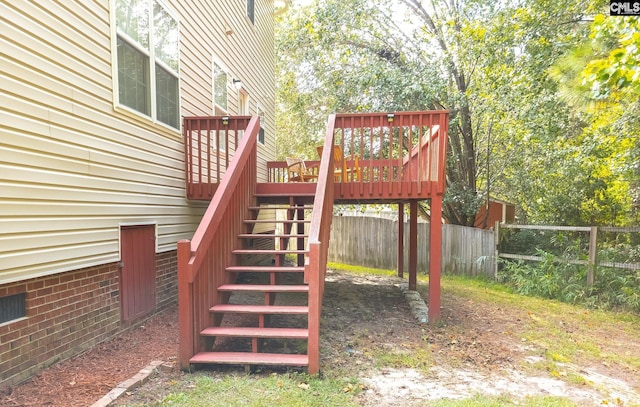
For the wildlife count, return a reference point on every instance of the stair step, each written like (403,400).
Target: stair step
(265,236)
(281,207)
(268,251)
(260,309)
(265,269)
(249,358)
(255,332)
(277,221)
(265,288)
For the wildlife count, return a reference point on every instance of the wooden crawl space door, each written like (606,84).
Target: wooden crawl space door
(137,271)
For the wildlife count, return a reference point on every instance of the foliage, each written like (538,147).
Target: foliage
(598,79)
(556,279)
(555,276)
(617,66)
(275,389)
(505,71)
(547,278)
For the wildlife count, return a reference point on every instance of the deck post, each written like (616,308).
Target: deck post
(185,306)
(300,231)
(435,253)
(413,244)
(315,300)
(401,240)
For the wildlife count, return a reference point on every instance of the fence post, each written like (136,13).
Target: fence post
(496,242)
(593,251)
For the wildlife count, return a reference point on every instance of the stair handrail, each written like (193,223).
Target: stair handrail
(224,217)
(318,244)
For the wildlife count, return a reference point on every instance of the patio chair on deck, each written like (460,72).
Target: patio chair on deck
(297,171)
(342,172)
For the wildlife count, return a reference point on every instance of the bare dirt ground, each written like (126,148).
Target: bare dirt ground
(477,349)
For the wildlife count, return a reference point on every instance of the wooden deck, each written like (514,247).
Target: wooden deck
(399,157)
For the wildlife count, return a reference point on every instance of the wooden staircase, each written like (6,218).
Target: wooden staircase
(263,319)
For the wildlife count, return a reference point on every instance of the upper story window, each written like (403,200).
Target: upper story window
(147,39)
(220,94)
(251,10)
(260,113)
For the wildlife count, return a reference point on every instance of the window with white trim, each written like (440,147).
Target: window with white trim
(260,113)
(220,94)
(220,100)
(251,10)
(147,41)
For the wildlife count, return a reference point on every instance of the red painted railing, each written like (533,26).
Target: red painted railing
(203,260)
(210,142)
(319,232)
(399,153)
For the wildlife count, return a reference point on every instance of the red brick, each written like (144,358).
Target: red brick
(11,336)
(17,289)
(44,291)
(21,341)
(35,285)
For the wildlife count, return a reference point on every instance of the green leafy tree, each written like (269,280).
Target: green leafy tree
(512,135)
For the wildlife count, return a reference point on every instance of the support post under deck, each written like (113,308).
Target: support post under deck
(413,244)
(435,253)
(401,240)
(300,231)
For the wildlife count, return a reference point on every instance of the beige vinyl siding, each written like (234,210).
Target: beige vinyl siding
(247,53)
(73,169)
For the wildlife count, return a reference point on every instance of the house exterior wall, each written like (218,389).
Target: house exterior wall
(75,168)
(69,313)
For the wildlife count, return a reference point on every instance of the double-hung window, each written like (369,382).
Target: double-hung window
(147,42)
(251,10)
(220,100)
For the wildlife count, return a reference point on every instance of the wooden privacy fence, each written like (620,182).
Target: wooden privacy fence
(373,242)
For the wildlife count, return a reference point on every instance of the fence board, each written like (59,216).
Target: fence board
(373,242)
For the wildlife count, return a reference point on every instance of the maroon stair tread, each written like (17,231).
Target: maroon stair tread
(280,207)
(260,309)
(277,221)
(264,236)
(255,332)
(250,358)
(266,269)
(265,288)
(268,251)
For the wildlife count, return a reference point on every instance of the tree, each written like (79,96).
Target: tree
(488,63)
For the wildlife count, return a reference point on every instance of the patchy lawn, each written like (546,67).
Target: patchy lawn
(492,348)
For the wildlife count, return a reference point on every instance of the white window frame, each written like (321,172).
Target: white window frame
(244,109)
(260,112)
(217,109)
(152,61)
(251,11)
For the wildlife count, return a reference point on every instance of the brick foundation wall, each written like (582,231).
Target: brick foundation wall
(166,280)
(68,313)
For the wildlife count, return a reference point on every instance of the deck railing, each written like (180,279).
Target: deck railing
(400,155)
(319,232)
(210,142)
(396,151)
(203,260)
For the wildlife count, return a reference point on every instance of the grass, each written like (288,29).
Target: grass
(286,390)
(563,330)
